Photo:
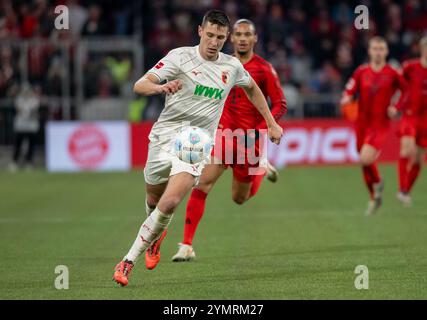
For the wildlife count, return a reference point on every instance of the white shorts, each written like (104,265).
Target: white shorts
(162,163)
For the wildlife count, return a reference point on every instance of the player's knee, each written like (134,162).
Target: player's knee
(407,151)
(168,204)
(419,158)
(152,200)
(404,153)
(239,198)
(205,187)
(366,161)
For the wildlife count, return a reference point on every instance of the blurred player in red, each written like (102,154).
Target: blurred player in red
(376,83)
(413,125)
(239,113)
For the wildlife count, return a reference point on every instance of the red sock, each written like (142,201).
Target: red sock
(375,173)
(403,174)
(412,175)
(256,183)
(368,179)
(193,214)
(371,175)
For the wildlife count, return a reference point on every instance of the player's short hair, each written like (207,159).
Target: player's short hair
(377,39)
(423,42)
(247,21)
(217,17)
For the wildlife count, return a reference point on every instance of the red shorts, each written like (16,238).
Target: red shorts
(414,127)
(241,154)
(373,136)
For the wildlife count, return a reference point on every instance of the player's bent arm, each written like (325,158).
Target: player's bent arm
(275,93)
(257,98)
(403,87)
(351,87)
(149,85)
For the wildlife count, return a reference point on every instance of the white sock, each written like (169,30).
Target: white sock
(150,231)
(148,210)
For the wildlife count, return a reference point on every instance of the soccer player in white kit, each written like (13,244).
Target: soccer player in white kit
(198,80)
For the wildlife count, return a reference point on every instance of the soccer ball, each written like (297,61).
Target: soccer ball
(193,145)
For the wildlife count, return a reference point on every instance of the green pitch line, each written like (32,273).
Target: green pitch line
(300,238)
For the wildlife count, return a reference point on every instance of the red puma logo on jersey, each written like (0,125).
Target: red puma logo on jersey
(196,72)
(159,65)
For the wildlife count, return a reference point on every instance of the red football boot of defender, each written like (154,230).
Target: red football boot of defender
(152,255)
(122,272)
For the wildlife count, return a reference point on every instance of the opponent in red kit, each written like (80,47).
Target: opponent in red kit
(376,83)
(240,114)
(413,125)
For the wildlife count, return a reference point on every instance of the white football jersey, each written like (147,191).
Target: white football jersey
(205,86)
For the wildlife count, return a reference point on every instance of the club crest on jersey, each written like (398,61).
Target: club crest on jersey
(224,77)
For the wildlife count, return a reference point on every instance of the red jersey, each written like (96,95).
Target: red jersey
(414,102)
(375,92)
(239,112)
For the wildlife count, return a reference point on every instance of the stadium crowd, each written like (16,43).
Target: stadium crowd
(312,44)
(34,20)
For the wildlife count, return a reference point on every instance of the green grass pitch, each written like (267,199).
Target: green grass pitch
(298,239)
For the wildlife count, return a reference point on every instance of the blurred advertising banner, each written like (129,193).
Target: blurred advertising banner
(324,142)
(88,146)
(104,145)
(306,142)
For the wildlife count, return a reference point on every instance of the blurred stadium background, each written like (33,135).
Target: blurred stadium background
(314,216)
(87,72)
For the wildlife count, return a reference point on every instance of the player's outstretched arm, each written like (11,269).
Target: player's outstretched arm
(149,85)
(257,98)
